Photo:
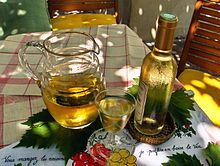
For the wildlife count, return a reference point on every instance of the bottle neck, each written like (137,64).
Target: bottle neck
(164,39)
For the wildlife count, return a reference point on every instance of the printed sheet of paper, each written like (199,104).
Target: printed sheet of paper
(147,155)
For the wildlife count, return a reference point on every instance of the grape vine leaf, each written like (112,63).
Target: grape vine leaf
(212,152)
(136,80)
(181,103)
(45,132)
(182,159)
(133,90)
(180,106)
(43,116)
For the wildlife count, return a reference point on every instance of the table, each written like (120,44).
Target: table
(122,52)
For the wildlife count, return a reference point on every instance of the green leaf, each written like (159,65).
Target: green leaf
(180,105)
(212,153)
(182,99)
(133,90)
(45,132)
(136,80)
(182,159)
(39,118)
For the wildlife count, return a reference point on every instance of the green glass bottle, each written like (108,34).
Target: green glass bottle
(158,73)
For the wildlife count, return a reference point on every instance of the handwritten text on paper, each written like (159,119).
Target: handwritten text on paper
(30,160)
(174,148)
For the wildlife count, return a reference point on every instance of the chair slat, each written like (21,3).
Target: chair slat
(213,67)
(209,19)
(208,34)
(207,41)
(209,27)
(211,5)
(210,12)
(203,54)
(204,47)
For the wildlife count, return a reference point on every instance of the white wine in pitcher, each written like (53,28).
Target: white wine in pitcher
(70,99)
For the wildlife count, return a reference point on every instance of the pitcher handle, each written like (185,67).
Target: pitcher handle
(23,60)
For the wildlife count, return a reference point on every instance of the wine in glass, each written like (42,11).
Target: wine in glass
(115,107)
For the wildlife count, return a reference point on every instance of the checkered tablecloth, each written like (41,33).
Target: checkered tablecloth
(122,52)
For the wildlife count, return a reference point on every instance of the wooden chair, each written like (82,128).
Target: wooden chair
(202,48)
(85,19)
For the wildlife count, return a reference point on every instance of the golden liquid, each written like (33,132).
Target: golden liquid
(158,74)
(70,99)
(115,113)
(152,123)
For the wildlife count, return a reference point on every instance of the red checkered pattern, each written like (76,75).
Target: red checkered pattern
(121,55)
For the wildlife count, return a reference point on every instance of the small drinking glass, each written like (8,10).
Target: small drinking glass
(115,107)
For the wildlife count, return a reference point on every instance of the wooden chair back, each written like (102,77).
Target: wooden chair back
(202,45)
(82,5)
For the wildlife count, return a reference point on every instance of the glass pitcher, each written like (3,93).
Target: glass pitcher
(70,76)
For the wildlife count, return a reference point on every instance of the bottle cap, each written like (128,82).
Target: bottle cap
(167,20)
(168,16)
